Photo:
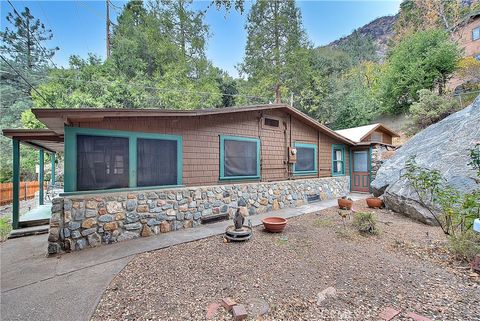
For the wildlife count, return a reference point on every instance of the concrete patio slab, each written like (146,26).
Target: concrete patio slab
(34,287)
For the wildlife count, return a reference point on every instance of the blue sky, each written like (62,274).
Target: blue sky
(79,26)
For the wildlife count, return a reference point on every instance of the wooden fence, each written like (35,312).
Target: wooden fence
(27,191)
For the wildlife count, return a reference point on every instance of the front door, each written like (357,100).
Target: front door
(361,173)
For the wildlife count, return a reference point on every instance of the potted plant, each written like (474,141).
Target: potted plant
(374,202)
(345,203)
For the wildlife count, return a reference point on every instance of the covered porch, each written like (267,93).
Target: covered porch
(46,142)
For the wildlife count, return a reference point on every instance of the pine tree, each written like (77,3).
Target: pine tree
(275,36)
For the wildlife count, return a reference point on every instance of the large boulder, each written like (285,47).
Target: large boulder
(443,146)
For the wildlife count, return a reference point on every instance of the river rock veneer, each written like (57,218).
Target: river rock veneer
(83,221)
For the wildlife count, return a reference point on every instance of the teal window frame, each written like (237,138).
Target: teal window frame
(70,175)
(222,157)
(315,153)
(336,147)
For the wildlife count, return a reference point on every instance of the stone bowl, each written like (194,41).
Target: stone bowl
(274,224)
(374,202)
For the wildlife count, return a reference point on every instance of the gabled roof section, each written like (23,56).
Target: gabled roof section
(56,119)
(357,134)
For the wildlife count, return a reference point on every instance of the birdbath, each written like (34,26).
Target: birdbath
(238,231)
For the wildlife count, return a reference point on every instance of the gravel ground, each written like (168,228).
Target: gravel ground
(404,267)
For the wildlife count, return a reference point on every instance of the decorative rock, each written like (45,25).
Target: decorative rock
(110,226)
(75,234)
(53,248)
(120,216)
(89,222)
(106,218)
(146,231)
(114,207)
(171,212)
(187,224)
(131,204)
(80,244)
(94,240)
(165,227)
(228,303)
(127,235)
(153,222)
(102,211)
(328,293)
(91,204)
(142,208)
(73,225)
(53,234)
(133,226)
(132,217)
(89,231)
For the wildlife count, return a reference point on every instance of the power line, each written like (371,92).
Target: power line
(95,12)
(24,79)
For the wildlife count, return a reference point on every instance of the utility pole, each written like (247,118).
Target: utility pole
(108,28)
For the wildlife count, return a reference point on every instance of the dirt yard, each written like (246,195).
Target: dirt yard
(404,267)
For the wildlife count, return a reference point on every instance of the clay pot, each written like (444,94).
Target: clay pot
(345,204)
(274,224)
(374,202)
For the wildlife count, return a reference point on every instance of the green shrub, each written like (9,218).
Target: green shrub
(5,227)
(465,246)
(429,109)
(365,223)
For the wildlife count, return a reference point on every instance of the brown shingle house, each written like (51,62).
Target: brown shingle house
(137,172)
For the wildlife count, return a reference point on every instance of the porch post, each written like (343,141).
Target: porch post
(52,156)
(40,177)
(16,183)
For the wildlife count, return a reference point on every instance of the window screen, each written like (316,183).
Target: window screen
(156,162)
(102,162)
(360,161)
(240,158)
(305,159)
(338,161)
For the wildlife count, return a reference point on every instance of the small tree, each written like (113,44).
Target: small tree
(429,109)
(423,60)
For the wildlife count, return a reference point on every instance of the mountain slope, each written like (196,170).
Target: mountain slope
(380,30)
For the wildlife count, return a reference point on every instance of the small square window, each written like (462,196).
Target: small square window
(306,159)
(476,34)
(239,157)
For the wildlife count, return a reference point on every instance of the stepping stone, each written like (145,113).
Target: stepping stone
(228,303)
(388,313)
(417,317)
(212,309)
(239,312)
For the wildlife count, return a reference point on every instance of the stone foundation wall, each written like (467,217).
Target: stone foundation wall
(83,221)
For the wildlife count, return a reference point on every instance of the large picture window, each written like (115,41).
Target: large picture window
(338,160)
(100,159)
(476,33)
(156,162)
(306,159)
(239,157)
(102,162)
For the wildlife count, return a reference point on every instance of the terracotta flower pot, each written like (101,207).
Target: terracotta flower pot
(374,202)
(345,204)
(274,224)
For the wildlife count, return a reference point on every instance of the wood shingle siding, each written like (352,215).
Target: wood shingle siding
(201,142)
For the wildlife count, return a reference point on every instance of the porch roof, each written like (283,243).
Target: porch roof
(37,138)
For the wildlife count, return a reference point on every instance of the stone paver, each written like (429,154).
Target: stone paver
(68,287)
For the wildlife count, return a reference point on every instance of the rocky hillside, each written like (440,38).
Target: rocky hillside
(380,30)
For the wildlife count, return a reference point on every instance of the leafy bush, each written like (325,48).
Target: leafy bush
(5,228)
(365,223)
(465,246)
(429,109)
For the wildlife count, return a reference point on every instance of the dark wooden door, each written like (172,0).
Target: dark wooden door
(361,172)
